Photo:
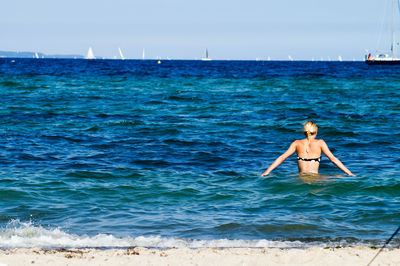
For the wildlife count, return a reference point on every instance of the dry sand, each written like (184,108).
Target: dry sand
(203,256)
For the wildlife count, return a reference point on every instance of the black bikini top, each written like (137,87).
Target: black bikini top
(309,160)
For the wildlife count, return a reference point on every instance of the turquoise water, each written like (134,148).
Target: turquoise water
(111,153)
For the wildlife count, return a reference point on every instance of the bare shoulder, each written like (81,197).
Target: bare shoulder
(296,142)
(321,142)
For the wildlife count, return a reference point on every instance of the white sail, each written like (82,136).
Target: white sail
(90,54)
(120,53)
(205,56)
(290,57)
(36,55)
(143,57)
(340,58)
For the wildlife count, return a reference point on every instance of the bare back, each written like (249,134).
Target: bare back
(308,154)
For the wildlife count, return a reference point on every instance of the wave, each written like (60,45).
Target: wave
(19,234)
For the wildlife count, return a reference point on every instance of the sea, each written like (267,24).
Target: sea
(123,153)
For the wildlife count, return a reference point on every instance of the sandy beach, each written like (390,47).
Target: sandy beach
(203,256)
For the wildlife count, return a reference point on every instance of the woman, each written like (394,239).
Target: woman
(308,153)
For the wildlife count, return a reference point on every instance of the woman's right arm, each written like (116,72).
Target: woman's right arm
(334,160)
(281,159)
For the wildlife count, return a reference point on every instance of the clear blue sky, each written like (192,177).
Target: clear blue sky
(230,29)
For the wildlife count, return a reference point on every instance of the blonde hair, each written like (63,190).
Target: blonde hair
(309,128)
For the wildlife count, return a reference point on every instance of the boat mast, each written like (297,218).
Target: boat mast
(392,48)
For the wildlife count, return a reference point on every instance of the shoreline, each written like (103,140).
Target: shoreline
(200,256)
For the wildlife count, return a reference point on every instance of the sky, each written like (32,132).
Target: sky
(183,29)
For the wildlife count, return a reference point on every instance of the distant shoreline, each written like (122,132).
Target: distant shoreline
(193,59)
(39,55)
(35,55)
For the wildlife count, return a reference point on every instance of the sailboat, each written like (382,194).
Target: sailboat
(143,57)
(36,55)
(120,53)
(205,56)
(384,58)
(90,54)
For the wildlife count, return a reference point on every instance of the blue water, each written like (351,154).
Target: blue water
(134,153)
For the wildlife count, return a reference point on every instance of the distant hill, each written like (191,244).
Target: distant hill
(33,55)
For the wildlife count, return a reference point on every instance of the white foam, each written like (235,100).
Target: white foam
(27,235)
